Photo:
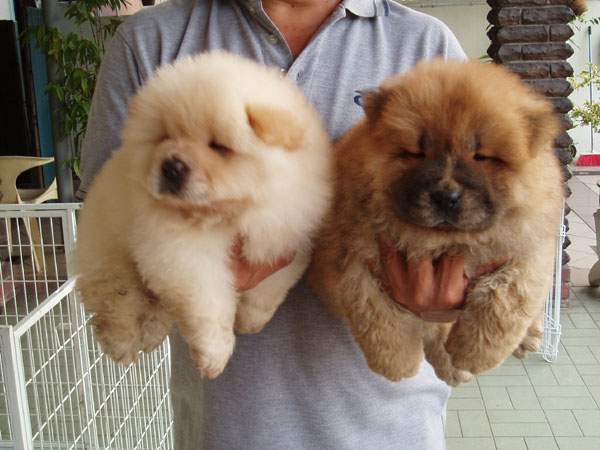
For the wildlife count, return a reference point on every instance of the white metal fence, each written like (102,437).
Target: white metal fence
(57,390)
(552,327)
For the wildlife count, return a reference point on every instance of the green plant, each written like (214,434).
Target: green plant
(76,57)
(589,112)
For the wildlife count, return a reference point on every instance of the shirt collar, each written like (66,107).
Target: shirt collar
(367,8)
(360,8)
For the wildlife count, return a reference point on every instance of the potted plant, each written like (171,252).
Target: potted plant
(75,57)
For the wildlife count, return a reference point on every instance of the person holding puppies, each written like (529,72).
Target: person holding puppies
(302,382)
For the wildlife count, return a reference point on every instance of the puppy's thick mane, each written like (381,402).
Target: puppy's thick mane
(215,147)
(452,157)
(456,100)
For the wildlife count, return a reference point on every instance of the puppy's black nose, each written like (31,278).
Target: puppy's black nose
(174,175)
(446,200)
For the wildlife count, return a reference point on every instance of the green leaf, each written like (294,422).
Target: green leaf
(76,58)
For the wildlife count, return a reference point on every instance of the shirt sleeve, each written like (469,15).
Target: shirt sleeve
(118,79)
(453,49)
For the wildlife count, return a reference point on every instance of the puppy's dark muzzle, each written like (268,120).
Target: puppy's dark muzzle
(174,173)
(447,201)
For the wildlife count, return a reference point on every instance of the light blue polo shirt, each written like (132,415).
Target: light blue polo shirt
(302,383)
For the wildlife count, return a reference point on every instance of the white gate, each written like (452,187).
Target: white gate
(57,389)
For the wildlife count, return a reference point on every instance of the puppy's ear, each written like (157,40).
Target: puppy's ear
(374,102)
(275,126)
(542,124)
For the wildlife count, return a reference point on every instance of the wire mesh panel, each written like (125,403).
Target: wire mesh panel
(552,327)
(57,389)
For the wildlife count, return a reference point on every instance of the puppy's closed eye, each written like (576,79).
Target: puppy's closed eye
(405,154)
(220,148)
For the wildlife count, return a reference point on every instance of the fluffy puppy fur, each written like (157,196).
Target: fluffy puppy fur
(453,158)
(214,146)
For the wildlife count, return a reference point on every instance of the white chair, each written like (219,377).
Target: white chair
(10,168)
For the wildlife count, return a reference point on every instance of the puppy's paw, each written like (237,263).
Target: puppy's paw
(211,356)
(393,365)
(469,350)
(452,376)
(530,343)
(122,345)
(155,327)
(250,319)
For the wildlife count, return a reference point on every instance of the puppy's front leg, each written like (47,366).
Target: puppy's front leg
(197,289)
(435,335)
(533,338)
(390,338)
(499,309)
(207,330)
(393,349)
(113,292)
(258,305)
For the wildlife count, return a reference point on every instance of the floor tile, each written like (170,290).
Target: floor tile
(566,322)
(571,343)
(452,424)
(592,305)
(537,360)
(542,375)
(549,403)
(563,423)
(511,360)
(512,416)
(504,380)
(578,443)
(588,369)
(523,397)
(587,293)
(580,332)
(561,391)
(595,316)
(567,375)
(470,444)
(589,422)
(582,320)
(526,401)
(541,443)
(591,380)
(595,391)
(466,392)
(595,349)
(496,398)
(474,424)
(510,443)
(465,403)
(510,369)
(521,429)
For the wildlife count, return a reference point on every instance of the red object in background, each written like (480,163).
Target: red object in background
(588,160)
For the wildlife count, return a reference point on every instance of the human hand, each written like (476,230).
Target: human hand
(248,275)
(433,290)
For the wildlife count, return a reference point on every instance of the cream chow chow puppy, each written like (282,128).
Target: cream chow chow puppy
(215,146)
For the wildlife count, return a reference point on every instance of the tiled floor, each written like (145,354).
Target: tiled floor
(532,404)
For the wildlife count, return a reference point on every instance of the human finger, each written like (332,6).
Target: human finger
(420,284)
(449,282)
